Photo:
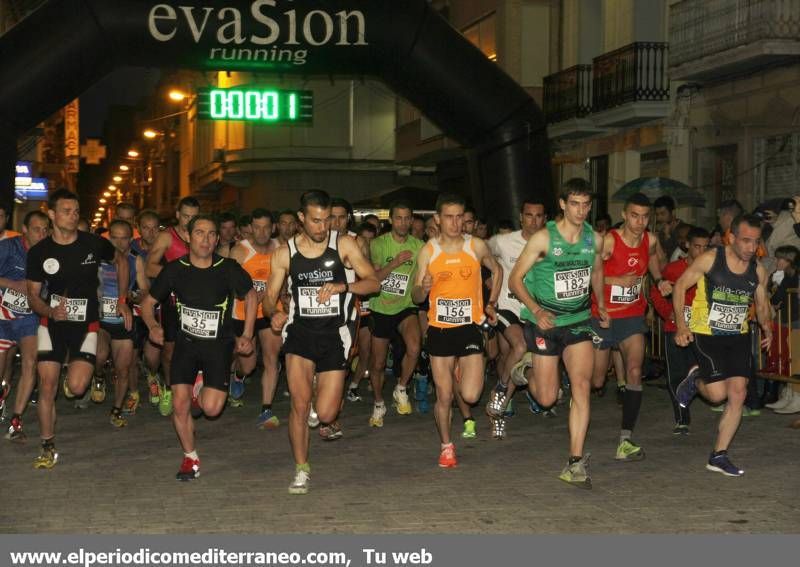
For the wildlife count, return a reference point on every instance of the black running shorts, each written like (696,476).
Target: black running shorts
(328,351)
(552,342)
(723,356)
(387,326)
(214,358)
(58,339)
(454,341)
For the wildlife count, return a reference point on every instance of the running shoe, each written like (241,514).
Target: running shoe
(67,392)
(236,387)
(719,462)
(498,427)
(190,469)
(577,473)
(687,389)
(352,394)
(680,429)
(154,388)
(629,451)
(497,402)
(131,404)
(447,458)
(469,429)
(421,393)
(550,413)
(598,392)
(750,412)
(718,408)
(300,483)
(82,403)
(401,402)
(535,408)
(331,432)
(267,420)
(378,411)
(165,401)
(47,459)
(98,389)
(234,403)
(116,419)
(15,432)
(510,411)
(518,372)
(313,418)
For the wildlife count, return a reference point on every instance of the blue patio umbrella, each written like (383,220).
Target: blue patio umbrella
(655,187)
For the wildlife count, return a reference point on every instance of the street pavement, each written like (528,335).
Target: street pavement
(387,480)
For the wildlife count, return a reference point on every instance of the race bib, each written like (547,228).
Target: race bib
(108,307)
(728,318)
(76,308)
(309,307)
(454,311)
(16,301)
(260,286)
(200,323)
(626,295)
(395,284)
(571,284)
(365,305)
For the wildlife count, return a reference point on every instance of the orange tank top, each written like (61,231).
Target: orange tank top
(259,268)
(456,296)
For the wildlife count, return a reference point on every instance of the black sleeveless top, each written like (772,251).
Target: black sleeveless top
(306,276)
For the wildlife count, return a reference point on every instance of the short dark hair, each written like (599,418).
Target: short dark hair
(400,204)
(315,198)
(125,205)
(603,217)
(697,232)
(505,224)
(345,204)
(289,212)
(531,201)
(665,202)
(638,199)
(731,206)
(470,209)
(261,213)
(368,226)
(61,194)
(27,220)
(148,214)
(788,252)
(575,186)
(188,202)
(245,220)
(449,199)
(227,216)
(417,216)
(202,217)
(750,220)
(120,222)
(372,216)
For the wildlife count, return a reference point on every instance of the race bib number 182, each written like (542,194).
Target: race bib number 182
(571,284)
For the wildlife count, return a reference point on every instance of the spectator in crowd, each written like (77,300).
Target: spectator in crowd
(602,223)
(682,238)
(666,224)
(504,226)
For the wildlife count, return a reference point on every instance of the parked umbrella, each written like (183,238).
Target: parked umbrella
(655,187)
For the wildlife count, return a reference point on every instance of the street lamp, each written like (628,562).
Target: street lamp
(101,209)
(124,167)
(113,187)
(106,193)
(150,134)
(117,178)
(177,95)
(133,153)
(103,200)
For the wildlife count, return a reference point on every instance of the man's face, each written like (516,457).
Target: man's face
(431,228)
(725,220)
(636,218)
(316,222)
(203,239)
(746,242)
(367,235)
(83,225)
(126,214)
(697,246)
(287,226)
(37,230)
(576,208)
(185,214)
(401,221)
(531,218)
(663,216)
(451,220)
(148,228)
(481,230)
(246,231)
(339,219)
(66,214)
(468,222)
(262,231)
(682,236)
(418,228)
(601,226)
(227,231)
(120,237)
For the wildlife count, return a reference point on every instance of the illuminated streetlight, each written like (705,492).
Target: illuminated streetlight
(117,178)
(106,193)
(123,167)
(101,209)
(150,134)
(102,200)
(112,187)
(177,95)
(133,153)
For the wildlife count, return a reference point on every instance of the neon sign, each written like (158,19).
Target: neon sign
(270,106)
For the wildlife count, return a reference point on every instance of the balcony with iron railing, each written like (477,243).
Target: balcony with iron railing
(711,39)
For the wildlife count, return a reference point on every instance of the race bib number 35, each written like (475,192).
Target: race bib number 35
(16,301)
(395,284)
(454,311)
(76,308)
(200,323)
(626,295)
(310,307)
(571,284)
(728,318)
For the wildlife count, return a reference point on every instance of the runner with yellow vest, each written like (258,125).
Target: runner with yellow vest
(449,273)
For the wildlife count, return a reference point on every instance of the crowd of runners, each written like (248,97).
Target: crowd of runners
(214,302)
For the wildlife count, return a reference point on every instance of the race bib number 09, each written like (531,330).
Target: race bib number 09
(76,308)
(310,307)
(730,318)
(16,301)
(395,284)
(108,307)
(454,311)
(200,323)
(626,295)
(571,284)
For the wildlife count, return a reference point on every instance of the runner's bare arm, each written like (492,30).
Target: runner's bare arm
(238,253)
(353,253)
(763,307)
(36,303)
(533,252)
(156,333)
(123,279)
(142,281)
(598,279)
(489,262)
(656,257)
(250,311)
(279,268)
(423,280)
(156,253)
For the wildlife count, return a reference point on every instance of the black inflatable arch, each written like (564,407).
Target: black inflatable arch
(52,56)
